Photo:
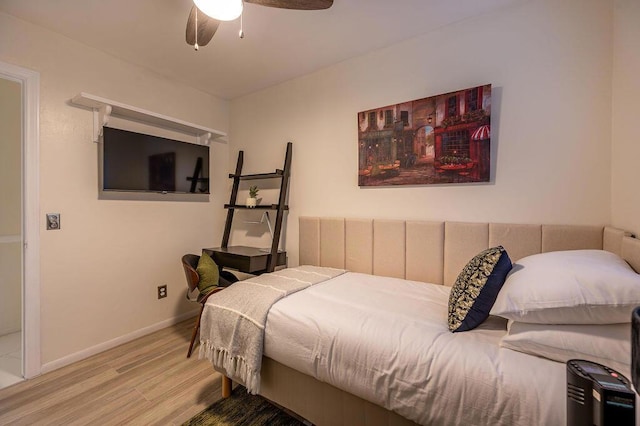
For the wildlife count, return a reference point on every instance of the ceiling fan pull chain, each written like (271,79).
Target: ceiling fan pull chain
(241,34)
(195,45)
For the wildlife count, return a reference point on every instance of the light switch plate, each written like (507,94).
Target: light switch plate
(53,221)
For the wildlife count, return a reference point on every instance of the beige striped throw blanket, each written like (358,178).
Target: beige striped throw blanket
(233,320)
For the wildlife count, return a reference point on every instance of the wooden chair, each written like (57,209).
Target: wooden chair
(190,263)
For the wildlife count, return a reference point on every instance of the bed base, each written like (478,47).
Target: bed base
(319,402)
(316,401)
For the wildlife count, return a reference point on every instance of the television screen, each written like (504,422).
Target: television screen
(143,163)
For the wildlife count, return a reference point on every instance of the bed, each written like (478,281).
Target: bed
(384,355)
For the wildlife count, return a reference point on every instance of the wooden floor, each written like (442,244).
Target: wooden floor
(144,382)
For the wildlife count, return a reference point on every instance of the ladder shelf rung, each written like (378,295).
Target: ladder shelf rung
(258,207)
(277,174)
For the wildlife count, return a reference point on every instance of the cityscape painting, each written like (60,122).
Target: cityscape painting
(442,139)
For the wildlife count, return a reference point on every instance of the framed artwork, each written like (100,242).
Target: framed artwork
(442,139)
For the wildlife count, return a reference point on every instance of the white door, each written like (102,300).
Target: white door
(11,236)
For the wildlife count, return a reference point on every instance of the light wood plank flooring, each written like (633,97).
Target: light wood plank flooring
(148,381)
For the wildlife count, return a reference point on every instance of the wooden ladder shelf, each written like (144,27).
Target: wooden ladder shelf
(251,259)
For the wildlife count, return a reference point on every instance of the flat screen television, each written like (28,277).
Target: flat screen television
(139,163)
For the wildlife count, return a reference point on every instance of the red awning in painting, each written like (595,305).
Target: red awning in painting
(482,132)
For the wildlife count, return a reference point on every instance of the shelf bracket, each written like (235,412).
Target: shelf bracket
(204,139)
(101,117)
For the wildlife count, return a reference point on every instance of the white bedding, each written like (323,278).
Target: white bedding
(386,341)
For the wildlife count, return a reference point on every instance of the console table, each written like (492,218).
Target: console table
(250,260)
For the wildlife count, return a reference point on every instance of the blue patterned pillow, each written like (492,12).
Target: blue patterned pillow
(476,289)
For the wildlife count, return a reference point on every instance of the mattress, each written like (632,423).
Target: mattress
(386,340)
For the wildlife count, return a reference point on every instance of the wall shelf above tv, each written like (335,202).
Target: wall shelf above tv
(105,108)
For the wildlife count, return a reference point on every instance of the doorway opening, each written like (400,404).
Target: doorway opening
(11,263)
(19,226)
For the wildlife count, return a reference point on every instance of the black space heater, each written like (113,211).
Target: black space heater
(598,396)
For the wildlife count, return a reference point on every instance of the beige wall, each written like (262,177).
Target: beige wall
(625,204)
(551,71)
(99,273)
(11,206)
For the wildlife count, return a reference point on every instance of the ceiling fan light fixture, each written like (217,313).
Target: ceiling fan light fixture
(222,10)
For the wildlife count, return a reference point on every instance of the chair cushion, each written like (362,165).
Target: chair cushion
(476,289)
(209,274)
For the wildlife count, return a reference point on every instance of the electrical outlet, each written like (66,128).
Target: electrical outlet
(53,221)
(162,291)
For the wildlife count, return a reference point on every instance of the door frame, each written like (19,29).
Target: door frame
(30,81)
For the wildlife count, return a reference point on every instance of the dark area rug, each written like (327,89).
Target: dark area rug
(243,409)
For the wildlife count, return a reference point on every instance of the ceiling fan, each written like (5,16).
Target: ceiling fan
(206,15)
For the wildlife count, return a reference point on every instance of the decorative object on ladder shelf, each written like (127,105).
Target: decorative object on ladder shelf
(252,201)
(263,219)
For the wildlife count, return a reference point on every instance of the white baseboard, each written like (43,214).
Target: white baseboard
(86,353)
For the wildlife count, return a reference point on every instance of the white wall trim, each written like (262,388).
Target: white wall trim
(93,350)
(31,211)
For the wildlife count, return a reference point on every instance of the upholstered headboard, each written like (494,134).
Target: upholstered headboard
(436,252)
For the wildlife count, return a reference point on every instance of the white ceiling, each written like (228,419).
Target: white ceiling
(278,45)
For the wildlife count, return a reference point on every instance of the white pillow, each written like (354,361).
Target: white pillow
(609,344)
(569,287)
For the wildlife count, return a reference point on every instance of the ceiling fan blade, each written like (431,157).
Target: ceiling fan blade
(206,27)
(294,4)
